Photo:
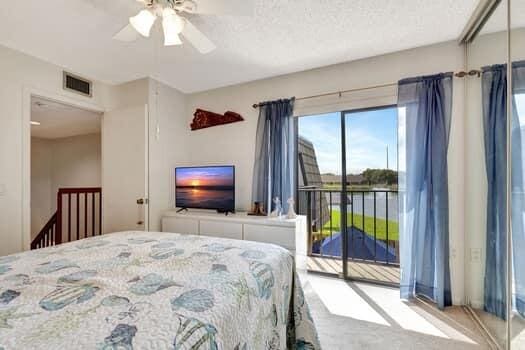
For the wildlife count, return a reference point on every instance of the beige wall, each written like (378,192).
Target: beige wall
(58,163)
(41,183)
(236,142)
(174,144)
(167,147)
(22,74)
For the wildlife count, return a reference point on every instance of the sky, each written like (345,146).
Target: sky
(368,134)
(205,176)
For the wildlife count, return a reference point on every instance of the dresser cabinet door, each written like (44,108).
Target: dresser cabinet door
(221,229)
(180,225)
(283,236)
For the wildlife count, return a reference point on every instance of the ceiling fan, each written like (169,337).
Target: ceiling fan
(174,22)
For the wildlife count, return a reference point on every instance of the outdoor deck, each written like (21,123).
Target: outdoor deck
(362,270)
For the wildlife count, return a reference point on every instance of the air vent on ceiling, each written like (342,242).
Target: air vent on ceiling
(77,84)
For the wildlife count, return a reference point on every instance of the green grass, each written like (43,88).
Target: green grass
(381,224)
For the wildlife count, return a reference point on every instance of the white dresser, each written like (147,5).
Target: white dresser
(290,234)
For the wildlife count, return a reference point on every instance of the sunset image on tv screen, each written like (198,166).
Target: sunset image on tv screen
(205,187)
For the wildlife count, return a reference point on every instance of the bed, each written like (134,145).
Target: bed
(137,290)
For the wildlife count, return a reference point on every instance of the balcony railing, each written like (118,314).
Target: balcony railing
(372,224)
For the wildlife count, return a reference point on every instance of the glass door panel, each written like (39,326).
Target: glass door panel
(319,189)
(371,172)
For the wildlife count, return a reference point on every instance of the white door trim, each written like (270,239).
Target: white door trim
(146,168)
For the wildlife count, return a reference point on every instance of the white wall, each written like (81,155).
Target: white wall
(22,74)
(235,142)
(59,163)
(167,147)
(41,179)
(76,162)
(166,142)
(177,145)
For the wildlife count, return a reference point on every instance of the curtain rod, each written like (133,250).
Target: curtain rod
(459,74)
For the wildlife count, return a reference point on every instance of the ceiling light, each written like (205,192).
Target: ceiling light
(173,26)
(34,122)
(143,22)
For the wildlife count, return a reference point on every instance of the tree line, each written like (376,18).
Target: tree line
(380,176)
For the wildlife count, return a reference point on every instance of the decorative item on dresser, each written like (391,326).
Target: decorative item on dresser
(290,234)
(206,119)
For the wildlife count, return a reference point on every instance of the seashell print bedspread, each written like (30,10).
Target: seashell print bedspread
(137,290)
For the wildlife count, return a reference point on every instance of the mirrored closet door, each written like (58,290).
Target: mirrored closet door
(517,115)
(486,177)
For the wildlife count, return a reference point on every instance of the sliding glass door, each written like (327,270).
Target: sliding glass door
(347,165)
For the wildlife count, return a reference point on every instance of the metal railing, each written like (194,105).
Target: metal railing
(372,223)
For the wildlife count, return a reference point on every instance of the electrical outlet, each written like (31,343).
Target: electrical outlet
(2,190)
(475,255)
(453,253)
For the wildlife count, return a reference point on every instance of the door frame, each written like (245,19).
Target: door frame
(27,94)
(344,200)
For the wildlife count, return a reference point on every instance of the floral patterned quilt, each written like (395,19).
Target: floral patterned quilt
(137,290)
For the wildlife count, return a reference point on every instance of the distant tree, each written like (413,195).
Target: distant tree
(380,176)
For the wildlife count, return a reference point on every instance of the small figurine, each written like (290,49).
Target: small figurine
(278,209)
(257,209)
(291,212)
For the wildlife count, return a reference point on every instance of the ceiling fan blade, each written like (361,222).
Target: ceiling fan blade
(127,34)
(225,7)
(197,38)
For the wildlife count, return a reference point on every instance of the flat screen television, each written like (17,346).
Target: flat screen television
(205,187)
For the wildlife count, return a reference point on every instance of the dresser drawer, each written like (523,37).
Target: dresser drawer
(221,229)
(180,225)
(283,236)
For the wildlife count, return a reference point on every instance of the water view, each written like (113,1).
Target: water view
(205,187)
(371,183)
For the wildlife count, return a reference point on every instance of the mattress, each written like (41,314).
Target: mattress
(137,290)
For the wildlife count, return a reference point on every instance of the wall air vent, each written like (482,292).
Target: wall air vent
(77,84)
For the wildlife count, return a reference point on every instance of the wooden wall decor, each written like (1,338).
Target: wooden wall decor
(206,119)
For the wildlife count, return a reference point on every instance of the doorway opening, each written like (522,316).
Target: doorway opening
(66,173)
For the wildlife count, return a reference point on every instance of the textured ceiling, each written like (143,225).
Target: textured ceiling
(283,36)
(59,120)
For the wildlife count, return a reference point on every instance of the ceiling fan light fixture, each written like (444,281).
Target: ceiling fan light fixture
(172,25)
(172,39)
(143,22)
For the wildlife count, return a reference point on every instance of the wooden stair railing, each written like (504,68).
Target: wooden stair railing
(78,215)
(47,236)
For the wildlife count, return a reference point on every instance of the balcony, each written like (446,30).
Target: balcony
(372,233)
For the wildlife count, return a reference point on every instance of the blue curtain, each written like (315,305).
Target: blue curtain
(425,105)
(274,169)
(494,88)
(494,97)
(518,186)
